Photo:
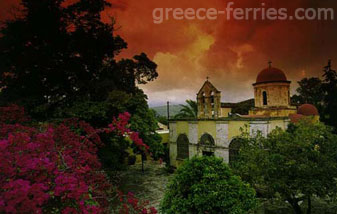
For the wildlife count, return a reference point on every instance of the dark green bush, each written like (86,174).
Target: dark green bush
(207,185)
(132,160)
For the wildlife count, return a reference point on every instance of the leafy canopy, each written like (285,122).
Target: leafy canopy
(55,55)
(295,164)
(207,185)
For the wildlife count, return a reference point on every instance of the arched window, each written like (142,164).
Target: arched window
(204,102)
(207,140)
(234,148)
(182,147)
(265,98)
(212,97)
(203,97)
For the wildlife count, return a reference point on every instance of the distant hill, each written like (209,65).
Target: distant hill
(243,107)
(162,110)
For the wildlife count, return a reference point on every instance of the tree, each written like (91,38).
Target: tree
(161,119)
(142,119)
(188,111)
(295,165)
(310,91)
(207,185)
(58,54)
(58,60)
(330,99)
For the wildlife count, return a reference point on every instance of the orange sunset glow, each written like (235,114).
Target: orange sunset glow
(230,52)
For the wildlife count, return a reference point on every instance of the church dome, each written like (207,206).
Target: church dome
(295,118)
(271,74)
(307,110)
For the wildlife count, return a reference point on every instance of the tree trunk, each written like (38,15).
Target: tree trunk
(295,206)
(309,205)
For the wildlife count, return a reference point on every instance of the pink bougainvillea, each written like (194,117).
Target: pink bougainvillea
(131,205)
(12,114)
(54,168)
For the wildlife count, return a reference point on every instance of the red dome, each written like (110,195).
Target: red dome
(271,74)
(295,118)
(307,110)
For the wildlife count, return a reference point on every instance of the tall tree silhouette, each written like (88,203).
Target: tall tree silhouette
(330,99)
(310,91)
(56,54)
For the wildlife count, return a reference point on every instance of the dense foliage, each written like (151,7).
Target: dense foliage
(293,165)
(58,60)
(56,55)
(329,87)
(309,91)
(207,185)
(54,168)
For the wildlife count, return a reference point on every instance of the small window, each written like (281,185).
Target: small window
(265,98)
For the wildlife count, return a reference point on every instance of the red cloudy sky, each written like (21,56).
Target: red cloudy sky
(230,52)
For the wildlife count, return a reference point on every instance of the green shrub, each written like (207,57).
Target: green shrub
(132,160)
(207,185)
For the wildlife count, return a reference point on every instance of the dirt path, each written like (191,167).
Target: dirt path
(149,185)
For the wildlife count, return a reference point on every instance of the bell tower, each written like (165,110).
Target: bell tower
(209,101)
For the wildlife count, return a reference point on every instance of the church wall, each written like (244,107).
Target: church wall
(173,154)
(256,127)
(193,151)
(222,153)
(173,132)
(277,93)
(234,128)
(225,111)
(221,139)
(223,133)
(273,112)
(182,128)
(206,127)
(193,132)
(277,123)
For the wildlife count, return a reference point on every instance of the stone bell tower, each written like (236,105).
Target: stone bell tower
(209,101)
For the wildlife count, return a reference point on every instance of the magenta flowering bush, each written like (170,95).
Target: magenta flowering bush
(54,168)
(131,205)
(12,114)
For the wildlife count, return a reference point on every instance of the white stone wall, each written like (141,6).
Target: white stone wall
(193,150)
(221,139)
(193,133)
(173,154)
(173,132)
(222,153)
(257,126)
(286,123)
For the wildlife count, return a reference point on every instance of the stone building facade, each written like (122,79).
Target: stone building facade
(216,131)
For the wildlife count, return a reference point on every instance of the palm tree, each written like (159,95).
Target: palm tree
(188,111)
